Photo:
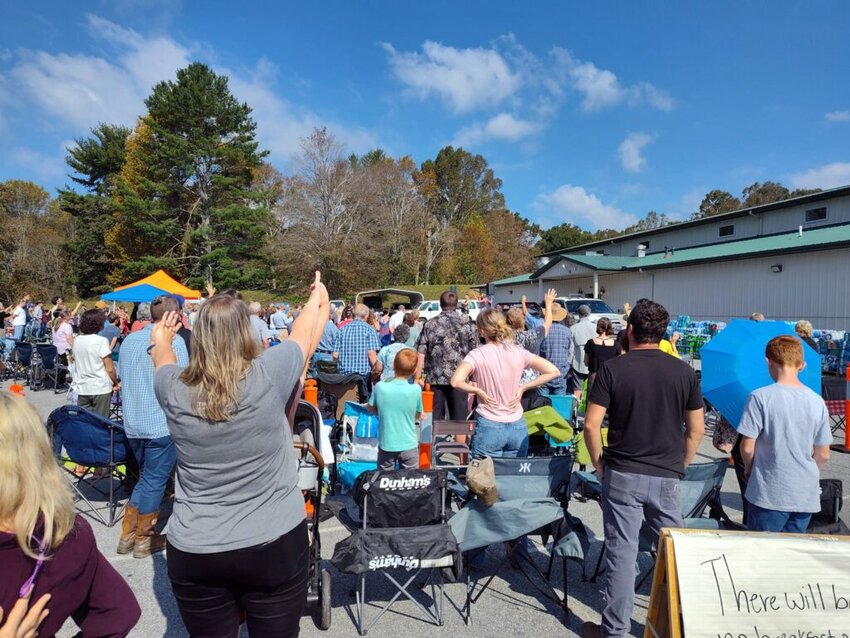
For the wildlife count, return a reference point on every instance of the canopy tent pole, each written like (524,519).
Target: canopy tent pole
(596,284)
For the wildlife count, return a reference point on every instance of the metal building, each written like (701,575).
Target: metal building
(788,260)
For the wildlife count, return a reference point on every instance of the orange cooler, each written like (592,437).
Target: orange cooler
(425,428)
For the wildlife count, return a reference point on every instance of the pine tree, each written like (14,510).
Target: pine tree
(184,200)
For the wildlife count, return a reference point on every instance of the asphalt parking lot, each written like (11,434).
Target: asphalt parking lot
(511,607)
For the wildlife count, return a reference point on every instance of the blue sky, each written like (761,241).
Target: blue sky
(591,113)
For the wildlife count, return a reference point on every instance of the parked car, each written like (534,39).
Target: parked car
(598,309)
(430,309)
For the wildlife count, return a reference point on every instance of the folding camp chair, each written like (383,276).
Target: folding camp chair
(533,495)
(699,490)
(399,523)
(833,391)
(23,359)
(95,443)
(50,366)
(444,441)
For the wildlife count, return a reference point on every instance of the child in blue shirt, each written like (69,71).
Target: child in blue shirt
(398,403)
(786,438)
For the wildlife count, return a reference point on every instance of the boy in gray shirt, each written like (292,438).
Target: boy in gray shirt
(786,437)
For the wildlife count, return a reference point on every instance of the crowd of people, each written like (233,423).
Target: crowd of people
(211,389)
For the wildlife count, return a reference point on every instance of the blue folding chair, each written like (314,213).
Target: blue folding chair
(97,444)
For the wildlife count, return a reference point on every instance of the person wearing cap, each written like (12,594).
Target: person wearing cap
(557,348)
(147,433)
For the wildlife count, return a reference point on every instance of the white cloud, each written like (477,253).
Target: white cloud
(838,116)
(602,88)
(503,126)
(573,204)
(826,176)
(630,151)
(48,168)
(83,90)
(465,79)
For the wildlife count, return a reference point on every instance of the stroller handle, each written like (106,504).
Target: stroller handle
(306,449)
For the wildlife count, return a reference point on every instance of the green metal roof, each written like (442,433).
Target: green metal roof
(600,262)
(816,238)
(519,279)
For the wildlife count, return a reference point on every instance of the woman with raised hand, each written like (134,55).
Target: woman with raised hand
(497,367)
(237,538)
(48,555)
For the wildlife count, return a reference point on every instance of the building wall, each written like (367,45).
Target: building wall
(769,223)
(813,286)
(514,292)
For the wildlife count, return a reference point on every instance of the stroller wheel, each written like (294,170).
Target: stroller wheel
(325,600)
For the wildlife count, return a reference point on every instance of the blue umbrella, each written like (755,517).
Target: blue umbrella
(143,293)
(733,364)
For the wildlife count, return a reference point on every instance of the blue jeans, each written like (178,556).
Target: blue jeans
(19,333)
(760,519)
(156,459)
(557,387)
(499,439)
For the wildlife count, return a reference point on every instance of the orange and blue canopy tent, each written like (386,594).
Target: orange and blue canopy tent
(163,281)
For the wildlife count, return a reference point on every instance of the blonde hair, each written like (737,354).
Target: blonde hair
(493,327)
(804,328)
(223,351)
(32,489)
(516,319)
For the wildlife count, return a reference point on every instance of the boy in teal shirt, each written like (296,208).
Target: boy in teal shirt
(398,403)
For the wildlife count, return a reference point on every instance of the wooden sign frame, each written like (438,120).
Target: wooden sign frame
(664,614)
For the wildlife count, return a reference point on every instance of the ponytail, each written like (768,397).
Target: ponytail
(493,327)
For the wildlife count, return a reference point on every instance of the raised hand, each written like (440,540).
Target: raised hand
(550,296)
(210,289)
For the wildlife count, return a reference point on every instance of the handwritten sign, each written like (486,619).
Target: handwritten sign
(763,585)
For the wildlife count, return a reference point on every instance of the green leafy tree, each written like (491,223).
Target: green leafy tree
(454,186)
(800,192)
(717,202)
(185,200)
(561,237)
(758,194)
(652,221)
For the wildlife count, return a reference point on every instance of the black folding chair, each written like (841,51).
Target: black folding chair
(399,524)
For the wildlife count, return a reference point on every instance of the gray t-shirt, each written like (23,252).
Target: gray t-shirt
(787,423)
(237,481)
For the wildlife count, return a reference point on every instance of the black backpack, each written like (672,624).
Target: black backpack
(828,521)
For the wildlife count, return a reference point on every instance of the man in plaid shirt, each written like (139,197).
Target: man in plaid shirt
(356,346)
(147,434)
(557,347)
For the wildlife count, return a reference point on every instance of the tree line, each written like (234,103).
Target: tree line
(189,190)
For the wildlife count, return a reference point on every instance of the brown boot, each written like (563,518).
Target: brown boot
(128,529)
(147,540)
(591,630)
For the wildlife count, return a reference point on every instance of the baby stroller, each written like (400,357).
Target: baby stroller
(311,467)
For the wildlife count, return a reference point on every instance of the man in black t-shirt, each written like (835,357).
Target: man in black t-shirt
(656,421)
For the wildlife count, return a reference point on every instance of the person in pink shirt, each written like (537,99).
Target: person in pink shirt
(63,335)
(496,367)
